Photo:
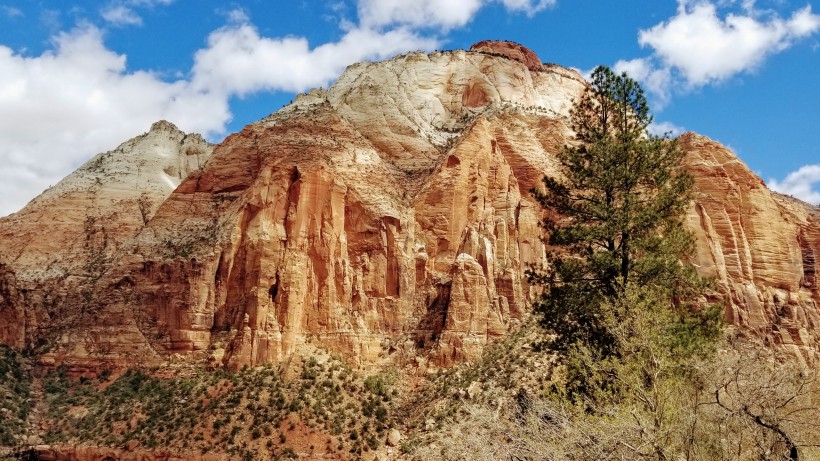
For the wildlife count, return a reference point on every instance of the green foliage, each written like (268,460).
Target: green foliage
(747,402)
(618,299)
(614,214)
(15,387)
(379,385)
(220,410)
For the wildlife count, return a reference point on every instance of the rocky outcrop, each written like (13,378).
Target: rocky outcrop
(392,213)
(759,246)
(510,50)
(389,212)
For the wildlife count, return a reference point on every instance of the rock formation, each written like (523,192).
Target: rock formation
(386,217)
(758,245)
(56,249)
(510,50)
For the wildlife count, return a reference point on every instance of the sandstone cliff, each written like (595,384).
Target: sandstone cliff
(758,245)
(389,213)
(56,249)
(385,218)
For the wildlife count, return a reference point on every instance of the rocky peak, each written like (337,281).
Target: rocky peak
(413,107)
(511,50)
(164,125)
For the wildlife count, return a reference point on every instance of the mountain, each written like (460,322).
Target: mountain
(56,249)
(387,219)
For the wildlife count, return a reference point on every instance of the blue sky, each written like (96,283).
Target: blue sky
(79,77)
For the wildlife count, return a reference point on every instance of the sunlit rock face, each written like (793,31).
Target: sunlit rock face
(55,251)
(386,218)
(758,245)
(388,214)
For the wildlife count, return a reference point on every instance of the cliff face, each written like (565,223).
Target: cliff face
(386,218)
(56,249)
(390,213)
(758,245)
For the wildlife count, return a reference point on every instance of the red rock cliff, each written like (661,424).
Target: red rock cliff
(55,251)
(758,245)
(390,217)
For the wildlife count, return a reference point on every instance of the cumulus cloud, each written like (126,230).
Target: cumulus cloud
(239,61)
(444,14)
(701,46)
(418,13)
(79,97)
(121,15)
(706,48)
(656,80)
(803,184)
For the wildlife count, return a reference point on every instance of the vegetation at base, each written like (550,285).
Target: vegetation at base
(247,414)
(751,402)
(15,389)
(507,370)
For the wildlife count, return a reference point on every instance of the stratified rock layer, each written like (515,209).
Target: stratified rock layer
(510,50)
(56,249)
(758,245)
(390,217)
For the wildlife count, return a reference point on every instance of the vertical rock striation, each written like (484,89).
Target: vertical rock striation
(391,212)
(758,245)
(386,217)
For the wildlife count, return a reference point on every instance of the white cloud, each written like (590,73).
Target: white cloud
(121,15)
(11,11)
(240,61)
(656,80)
(803,184)
(418,13)
(237,16)
(528,6)
(700,46)
(705,48)
(663,128)
(444,14)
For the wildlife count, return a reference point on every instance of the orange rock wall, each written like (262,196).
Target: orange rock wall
(758,245)
(390,217)
(55,252)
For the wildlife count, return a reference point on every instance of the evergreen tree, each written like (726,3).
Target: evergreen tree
(615,215)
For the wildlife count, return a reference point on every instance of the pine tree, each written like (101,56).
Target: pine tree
(615,214)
